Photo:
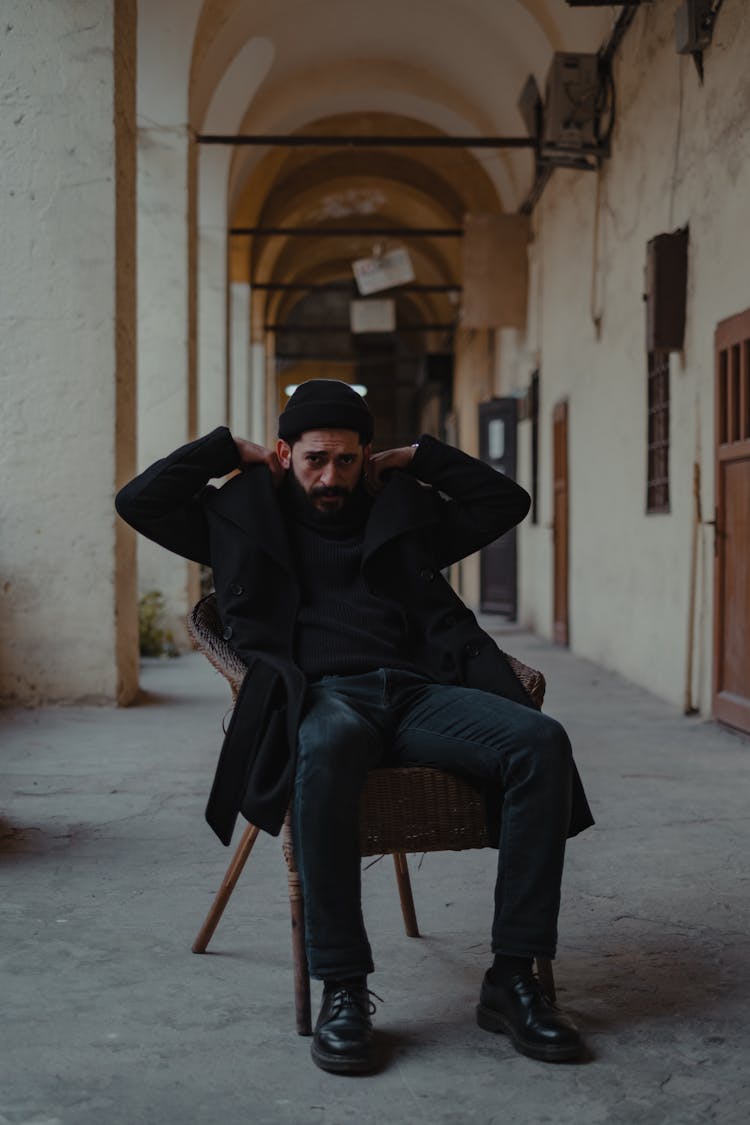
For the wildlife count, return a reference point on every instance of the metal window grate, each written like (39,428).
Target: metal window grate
(657,488)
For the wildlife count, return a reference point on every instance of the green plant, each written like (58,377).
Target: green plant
(153,638)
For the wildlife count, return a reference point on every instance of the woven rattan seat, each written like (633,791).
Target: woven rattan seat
(402,810)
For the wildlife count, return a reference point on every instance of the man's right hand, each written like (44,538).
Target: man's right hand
(252,454)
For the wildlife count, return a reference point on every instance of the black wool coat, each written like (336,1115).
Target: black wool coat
(445,507)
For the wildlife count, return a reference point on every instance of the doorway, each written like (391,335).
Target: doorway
(498,561)
(732,524)
(560,505)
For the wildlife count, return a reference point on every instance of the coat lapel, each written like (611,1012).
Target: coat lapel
(249,500)
(404,505)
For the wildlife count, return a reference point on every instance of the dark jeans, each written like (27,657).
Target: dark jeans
(396,718)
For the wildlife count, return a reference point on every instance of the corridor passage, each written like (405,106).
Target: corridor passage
(107,869)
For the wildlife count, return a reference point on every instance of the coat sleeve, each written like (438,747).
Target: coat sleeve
(164,502)
(477,504)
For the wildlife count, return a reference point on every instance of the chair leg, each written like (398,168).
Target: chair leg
(546,977)
(234,871)
(301,975)
(404,891)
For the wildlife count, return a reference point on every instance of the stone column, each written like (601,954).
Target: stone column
(271,382)
(67,349)
(240,405)
(162,334)
(213,405)
(473,382)
(166,391)
(258,398)
(257,430)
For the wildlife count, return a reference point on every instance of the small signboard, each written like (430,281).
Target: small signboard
(495,271)
(377,315)
(383,271)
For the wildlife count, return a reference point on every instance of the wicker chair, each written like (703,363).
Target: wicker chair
(402,810)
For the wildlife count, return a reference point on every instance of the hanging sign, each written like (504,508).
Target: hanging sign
(373,316)
(383,271)
(495,271)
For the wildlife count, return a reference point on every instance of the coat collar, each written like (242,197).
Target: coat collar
(250,501)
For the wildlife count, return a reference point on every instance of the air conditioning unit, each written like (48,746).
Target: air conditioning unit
(572,107)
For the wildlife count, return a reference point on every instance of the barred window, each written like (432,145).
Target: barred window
(657,489)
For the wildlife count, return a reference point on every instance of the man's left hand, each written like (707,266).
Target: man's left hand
(381,463)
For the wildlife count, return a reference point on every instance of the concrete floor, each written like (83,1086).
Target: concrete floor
(107,868)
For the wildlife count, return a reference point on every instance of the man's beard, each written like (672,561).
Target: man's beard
(339,514)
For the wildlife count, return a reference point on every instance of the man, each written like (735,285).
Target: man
(327,563)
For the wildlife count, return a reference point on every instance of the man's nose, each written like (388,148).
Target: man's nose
(329,476)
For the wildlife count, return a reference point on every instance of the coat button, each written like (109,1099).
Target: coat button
(227,633)
(236,589)
(426,574)
(471,649)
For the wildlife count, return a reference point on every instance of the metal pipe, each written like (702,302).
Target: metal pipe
(310,140)
(305,329)
(345,287)
(359,232)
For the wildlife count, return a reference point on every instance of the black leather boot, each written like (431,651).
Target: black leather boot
(343,1040)
(520,1009)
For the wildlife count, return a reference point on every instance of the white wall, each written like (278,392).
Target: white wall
(672,164)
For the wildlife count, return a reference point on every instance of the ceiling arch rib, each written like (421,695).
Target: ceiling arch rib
(360,201)
(280,258)
(462,183)
(379,92)
(304,187)
(327,173)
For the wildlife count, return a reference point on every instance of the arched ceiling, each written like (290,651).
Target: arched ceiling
(363,68)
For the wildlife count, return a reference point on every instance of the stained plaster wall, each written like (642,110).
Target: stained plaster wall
(680,155)
(66,349)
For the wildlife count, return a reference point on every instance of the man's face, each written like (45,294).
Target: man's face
(326,464)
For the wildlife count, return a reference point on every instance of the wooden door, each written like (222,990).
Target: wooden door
(498,565)
(561,631)
(732,524)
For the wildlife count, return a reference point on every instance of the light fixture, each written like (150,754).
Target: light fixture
(360,388)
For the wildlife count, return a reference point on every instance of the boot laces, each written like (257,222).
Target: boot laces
(344,996)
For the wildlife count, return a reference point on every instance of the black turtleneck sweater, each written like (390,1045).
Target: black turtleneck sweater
(343,627)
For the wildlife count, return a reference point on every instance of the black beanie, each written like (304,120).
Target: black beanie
(325,404)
